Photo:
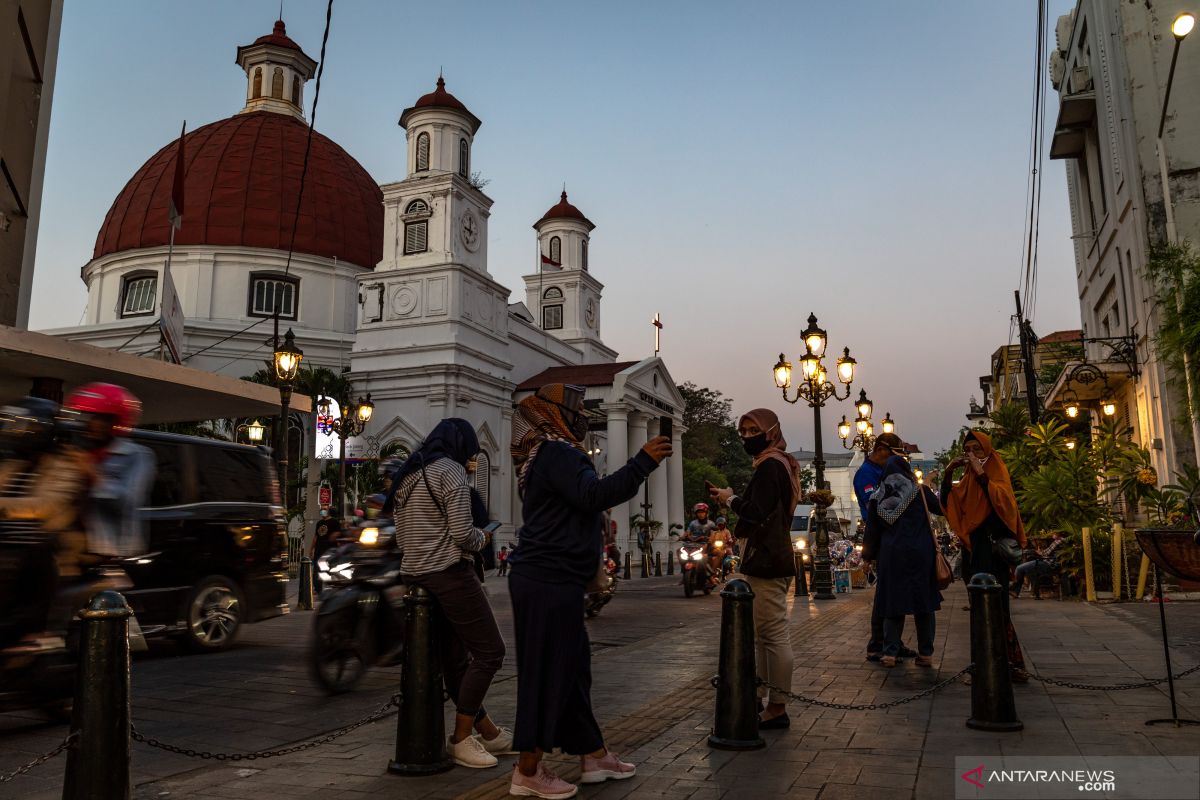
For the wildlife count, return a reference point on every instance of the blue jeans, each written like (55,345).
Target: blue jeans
(893,627)
(1033,570)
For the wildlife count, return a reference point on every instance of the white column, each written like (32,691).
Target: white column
(637,438)
(674,467)
(661,498)
(617,454)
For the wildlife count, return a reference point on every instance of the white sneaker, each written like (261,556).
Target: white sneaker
(470,752)
(502,745)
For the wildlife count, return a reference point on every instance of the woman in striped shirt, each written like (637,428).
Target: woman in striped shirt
(437,536)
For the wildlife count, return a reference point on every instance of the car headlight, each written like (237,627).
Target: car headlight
(368,536)
(698,555)
(800,544)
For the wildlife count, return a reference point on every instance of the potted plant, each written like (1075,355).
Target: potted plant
(1170,538)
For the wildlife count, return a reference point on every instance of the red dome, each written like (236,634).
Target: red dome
(564,210)
(278,37)
(440,98)
(242,178)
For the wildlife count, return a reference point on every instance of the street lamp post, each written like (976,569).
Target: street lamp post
(861,436)
(254,431)
(815,388)
(1180,28)
(352,419)
(287,366)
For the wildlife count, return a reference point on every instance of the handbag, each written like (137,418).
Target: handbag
(943,574)
(1008,550)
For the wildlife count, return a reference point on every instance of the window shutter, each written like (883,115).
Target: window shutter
(415,237)
(422,151)
(556,250)
(463,158)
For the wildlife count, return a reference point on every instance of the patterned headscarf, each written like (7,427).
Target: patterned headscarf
(539,419)
(768,422)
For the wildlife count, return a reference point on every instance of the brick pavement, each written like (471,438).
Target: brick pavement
(655,705)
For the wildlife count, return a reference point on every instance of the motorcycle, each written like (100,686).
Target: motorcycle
(594,601)
(360,620)
(693,562)
(38,671)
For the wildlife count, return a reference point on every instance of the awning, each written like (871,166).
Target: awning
(169,392)
(1075,113)
(1091,384)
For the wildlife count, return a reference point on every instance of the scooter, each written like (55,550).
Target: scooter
(594,601)
(360,620)
(693,561)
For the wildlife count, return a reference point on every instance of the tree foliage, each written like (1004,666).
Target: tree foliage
(1174,270)
(712,436)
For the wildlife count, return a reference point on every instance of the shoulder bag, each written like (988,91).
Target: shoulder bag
(941,567)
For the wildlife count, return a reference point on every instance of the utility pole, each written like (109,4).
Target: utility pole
(1027,350)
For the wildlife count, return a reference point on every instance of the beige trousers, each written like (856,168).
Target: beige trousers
(773,659)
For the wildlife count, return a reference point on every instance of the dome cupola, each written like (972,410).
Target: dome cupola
(276,71)
(440,132)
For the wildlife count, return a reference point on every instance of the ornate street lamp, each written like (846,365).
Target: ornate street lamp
(815,389)
(862,435)
(889,425)
(287,365)
(352,418)
(1109,407)
(254,431)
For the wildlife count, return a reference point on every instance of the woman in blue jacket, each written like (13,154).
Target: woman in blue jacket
(558,553)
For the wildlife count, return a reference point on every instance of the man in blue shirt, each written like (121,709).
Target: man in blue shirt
(865,480)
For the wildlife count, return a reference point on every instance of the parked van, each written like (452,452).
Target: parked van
(217,542)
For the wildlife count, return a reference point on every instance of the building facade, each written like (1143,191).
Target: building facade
(1110,68)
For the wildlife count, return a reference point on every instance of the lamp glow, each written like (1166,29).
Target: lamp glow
(1109,407)
(864,405)
(889,425)
(288,358)
(861,423)
(365,409)
(814,337)
(810,365)
(1070,444)
(1072,410)
(783,373)
(1183,25)
(845,367)
(843,428)
(255,432)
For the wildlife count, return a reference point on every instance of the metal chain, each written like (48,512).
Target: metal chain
(870,706)
(385,710)
(42,759)
(1118,687)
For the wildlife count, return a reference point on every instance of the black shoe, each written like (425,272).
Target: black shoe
(775,723)
(874,657)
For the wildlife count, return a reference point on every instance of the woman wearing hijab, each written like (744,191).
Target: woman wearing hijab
(764,512)
(982,509)
(558,553)
(437,534)
(907,579)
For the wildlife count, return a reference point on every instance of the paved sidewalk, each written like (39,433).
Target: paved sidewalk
(655,704)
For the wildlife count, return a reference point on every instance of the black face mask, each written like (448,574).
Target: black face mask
(577,423)
(753,445)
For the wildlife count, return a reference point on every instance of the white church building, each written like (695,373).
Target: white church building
(390,282)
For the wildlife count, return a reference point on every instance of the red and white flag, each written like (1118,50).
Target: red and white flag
(176,211)
(547,262)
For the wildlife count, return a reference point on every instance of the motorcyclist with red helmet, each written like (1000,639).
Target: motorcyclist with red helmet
(103,415)
(700,528)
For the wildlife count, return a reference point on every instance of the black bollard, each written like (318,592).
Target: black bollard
(645,565)
(421,724)
(628,571)
(801,577)
(98,763)
(658,565)
(671,561)
(304,600)
(992,704)
(735,724)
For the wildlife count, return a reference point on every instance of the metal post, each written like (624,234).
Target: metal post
(420,725)
(1088,576)
(1118,559)
(628,560)
(341,498)
(658,565)
(304,600)
(801,578)
(671,561)
(1162,620)
(98,764)
(822,572)
(735,723)
(992,704)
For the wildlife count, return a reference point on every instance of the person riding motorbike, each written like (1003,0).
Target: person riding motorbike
(104,413)
(43,497)
(700,528)
(720,545)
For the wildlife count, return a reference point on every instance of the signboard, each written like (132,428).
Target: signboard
(325,441)
(170,320)
(325,495)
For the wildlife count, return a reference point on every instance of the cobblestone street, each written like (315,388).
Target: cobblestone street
(654,655)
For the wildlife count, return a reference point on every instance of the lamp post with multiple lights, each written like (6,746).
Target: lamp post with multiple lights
(862,435)
(351,420)
(815,388)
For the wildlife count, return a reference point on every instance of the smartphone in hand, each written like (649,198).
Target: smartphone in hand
(492,526)
(666,427)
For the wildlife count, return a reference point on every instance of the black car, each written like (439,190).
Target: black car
(217,554)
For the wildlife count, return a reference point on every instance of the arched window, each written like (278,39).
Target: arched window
(295,90)
(422,152)
(483,477)
(583,255)
(552,309)
(556,249)
(257,84)
(416,227)
(139,294)
(464,158)
(277,83)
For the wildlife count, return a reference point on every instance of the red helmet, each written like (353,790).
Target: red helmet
(700,507)
(106,398)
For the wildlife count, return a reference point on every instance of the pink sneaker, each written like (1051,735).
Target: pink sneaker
(599,770)
(543,783)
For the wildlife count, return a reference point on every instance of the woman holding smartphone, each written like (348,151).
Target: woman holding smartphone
(437,533)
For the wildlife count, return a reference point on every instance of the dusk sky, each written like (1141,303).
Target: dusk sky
(745,164)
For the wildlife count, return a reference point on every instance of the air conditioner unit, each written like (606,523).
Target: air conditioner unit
(1081,79)
(1062,32)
